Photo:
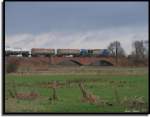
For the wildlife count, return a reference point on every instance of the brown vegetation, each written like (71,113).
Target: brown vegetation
(11,65)
(27,96)
(87,96)
(134,103)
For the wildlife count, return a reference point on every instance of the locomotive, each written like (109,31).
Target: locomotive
(35,52)
(94,52)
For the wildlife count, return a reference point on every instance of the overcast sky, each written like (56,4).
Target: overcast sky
(75,24)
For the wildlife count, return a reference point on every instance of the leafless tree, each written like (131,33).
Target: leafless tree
(140,50)
(116,49)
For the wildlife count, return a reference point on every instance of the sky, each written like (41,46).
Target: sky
(75,24)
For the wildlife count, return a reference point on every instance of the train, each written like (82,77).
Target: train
(35,52)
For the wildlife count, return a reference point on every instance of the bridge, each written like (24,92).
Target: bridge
(110,61)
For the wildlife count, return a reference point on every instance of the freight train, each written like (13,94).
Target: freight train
(35,52)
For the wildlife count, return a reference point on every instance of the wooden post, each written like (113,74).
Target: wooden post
(83,90)
(87,96)
(54,91)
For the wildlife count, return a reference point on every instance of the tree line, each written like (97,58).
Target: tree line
(138,55)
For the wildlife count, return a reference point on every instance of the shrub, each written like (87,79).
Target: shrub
(12,66)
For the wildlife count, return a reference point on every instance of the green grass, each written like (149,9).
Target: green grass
(103,86)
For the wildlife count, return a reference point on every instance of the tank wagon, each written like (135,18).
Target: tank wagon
(26,53)
(74,52)
(95,52)
(8,52)
(16,52)
(42,52)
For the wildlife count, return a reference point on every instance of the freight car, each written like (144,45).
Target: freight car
(25,53)
(16,52)
(64,52)
(95,52)
(42,52)
(12,51)
(8,52)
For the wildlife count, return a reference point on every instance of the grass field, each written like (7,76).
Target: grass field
(115,89)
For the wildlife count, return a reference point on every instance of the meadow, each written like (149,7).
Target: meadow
(111,90)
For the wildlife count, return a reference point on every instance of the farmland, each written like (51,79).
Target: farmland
(116,89)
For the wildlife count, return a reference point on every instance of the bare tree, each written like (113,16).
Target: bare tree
(116,49)
(140,52)
(112,49)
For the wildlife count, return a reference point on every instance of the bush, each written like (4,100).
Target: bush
(12,66)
